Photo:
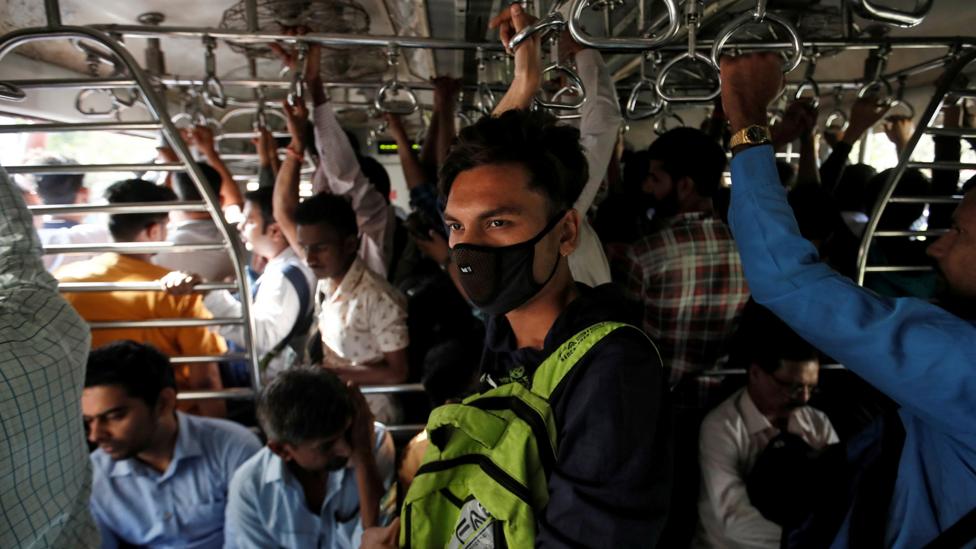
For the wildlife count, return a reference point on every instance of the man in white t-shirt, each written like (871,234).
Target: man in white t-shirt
(783,371)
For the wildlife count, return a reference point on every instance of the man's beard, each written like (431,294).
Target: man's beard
(962,306)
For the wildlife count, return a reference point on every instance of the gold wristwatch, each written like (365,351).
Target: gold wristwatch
(751,135)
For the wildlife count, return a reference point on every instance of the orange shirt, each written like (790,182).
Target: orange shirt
(108,306)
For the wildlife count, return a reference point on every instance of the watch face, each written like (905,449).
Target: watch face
(756,134)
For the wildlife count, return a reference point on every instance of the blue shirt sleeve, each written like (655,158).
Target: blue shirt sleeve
(243,524)
(916,353)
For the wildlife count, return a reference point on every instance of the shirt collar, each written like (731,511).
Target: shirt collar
(284,257)
(187,446)
(756,422)
(350,280)
(275,470)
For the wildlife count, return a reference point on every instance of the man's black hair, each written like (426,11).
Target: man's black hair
(450,370)
(851,188)
(302,404)
(816,213)
(262,198)
(377,175)
(549,151)
(688,152)
(328,209)
(140,369)
(187,190)
(124,227)
(765,340)
(59,188)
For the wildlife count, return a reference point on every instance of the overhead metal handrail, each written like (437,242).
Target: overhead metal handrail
(82,127)
(133,248)
(213,90)
(165,323)
(760,15)
(838,113)
(944,87)
(545,27)
(95,168)
(574,86)
(693,14)
(891,16)
(98,287)
(623,44)
(196,359)
(123,208)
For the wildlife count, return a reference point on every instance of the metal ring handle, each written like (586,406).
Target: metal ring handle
(809,84)
(661,124)
(486,99)
(836,114)
(125,102)
(864,90)
(92,113)
(748,17)
(574,82)
(269,112)
(633,111)
(892,16)
(550,23)
(382,104)
(622,44)
(567,115)
(213,92)
(296,92)
(902,103)
(9,92)
(666,70)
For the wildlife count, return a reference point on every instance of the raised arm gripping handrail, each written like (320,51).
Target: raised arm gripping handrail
(622,44)
(891,16)
(551,23)
(760,15)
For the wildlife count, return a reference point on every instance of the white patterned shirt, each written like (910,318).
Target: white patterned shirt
(360,319)
(45,475)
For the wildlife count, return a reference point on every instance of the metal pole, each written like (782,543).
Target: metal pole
(124,208)
(52,9)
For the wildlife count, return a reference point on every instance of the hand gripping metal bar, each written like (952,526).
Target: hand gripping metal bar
(622,44)
(760,15)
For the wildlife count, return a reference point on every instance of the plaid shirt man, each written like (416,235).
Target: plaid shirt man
(689,279)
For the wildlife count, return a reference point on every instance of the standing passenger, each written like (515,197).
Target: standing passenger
(45,476)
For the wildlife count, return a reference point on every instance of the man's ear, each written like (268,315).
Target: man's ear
(569,232)
(351,244)
(82,196)
(166,403)
(685,189)
(155,232)
(281,449)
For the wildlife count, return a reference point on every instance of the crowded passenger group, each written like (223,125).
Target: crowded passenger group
(567,303)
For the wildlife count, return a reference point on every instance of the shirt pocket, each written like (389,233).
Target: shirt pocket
(201,520)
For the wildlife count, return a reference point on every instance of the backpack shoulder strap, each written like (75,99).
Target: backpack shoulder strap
(957,535)
(552,370)
(295,277)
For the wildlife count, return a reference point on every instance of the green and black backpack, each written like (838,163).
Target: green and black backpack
(484,477)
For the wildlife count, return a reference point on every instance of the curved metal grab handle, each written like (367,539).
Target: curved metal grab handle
(92,113)
(383,105)
(809,84)
(895,103)
(836,114)
(550,23)
(892,16)
(486,99)
(633,112)
(567,115)
(575,83)
(213,92)
(885,86)
(9,92)
(661,124)
(748,17)
(268,111)
(663,76)
(622,44)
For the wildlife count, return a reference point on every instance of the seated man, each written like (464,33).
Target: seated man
(161,476)
(918,353)
(782,372)
(282,306)
(65,229)
(140,305)
(319,480)
(46,479)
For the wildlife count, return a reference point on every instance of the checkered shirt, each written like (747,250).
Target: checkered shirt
(45,475)
(689,279)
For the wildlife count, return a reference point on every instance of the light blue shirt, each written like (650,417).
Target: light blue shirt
(918,354)
(182,507)
(266,506)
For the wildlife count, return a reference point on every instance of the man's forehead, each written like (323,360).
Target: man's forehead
(491,188)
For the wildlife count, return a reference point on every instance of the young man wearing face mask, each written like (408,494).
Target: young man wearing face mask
(783,370)
(319,481)
(160,476)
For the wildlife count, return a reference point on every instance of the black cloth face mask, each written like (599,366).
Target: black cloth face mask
(499,279)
